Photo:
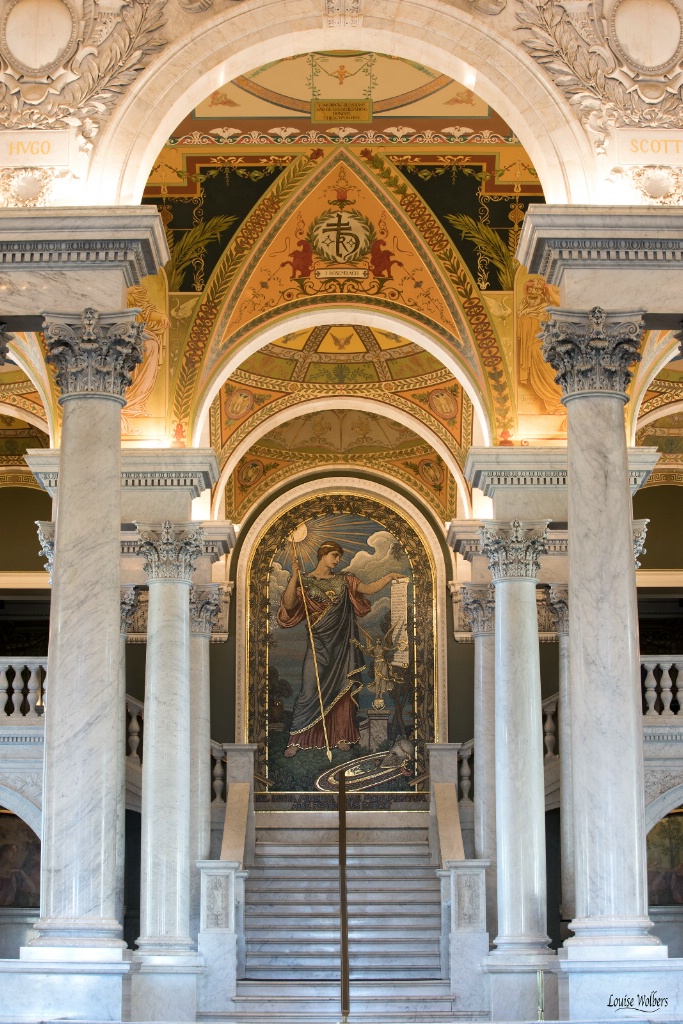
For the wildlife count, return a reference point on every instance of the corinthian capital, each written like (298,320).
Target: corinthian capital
(479,605)
(5,339)
(558,599)
(94,353)
(205,607)
(170,550)
(514,549)
(592,351)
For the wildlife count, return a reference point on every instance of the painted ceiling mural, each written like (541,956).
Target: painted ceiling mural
(354,179)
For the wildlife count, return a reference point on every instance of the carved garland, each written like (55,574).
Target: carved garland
(582,53)
(105,53)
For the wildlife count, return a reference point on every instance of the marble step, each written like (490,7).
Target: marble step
(308,972)
(427,940)
(313,872)
(330,908)
(330,851)
(329,931)
(320,897)
(292,1002)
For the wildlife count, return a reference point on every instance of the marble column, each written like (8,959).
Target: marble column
(170,551)
(205,605)
(94,355)
(558,600)
(129,600)
(478,602)
(513,551)
(592,352)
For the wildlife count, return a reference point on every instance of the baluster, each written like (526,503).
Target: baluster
(43,691)
(218,775)
(678,684)
(33,686)
(666,685)
(550,730)
(4,688)
(465,774)
(650,684)
(133,733)
(17,691)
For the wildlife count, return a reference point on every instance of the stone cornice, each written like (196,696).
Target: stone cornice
(493,468)
(83,238)
(464,537)
(193,469)
(555,239)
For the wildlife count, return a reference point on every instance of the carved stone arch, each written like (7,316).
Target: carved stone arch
(341,316)
(358,403)
(233,42)
(13,799)
(666,802)
(660,347)
(25,351)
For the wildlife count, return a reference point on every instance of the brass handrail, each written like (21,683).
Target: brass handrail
(343,901)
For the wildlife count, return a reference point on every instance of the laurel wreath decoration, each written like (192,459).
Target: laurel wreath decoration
(81,93)
(577,53)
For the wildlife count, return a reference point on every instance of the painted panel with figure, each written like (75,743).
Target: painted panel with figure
(19,862)
(665,861)
(341,654)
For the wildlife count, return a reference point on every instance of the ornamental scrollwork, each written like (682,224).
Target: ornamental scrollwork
(101,49)
(170,550)
(591,57)
(5,338)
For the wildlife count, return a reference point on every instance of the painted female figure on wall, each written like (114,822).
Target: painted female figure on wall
(324,713)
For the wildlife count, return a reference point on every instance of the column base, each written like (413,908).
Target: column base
(522,985)
(613,938)
(635,989)
(79,932)
(164,987)
(53,983)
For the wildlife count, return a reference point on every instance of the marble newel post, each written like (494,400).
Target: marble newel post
(592,352)
(478,602)
(513,551)
(205,605)
(93,354)
(558,600)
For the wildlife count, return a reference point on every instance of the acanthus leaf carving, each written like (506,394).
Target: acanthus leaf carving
(95,354)
(5,338)
(114,47)
(513,549)
(581,54)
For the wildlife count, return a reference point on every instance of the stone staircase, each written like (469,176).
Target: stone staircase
(291,922)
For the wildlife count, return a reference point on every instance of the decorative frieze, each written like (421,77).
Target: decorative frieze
(591,351)
(513,549)
(96,353)
(558,601)
(129,603)
(205,607)
(137,627)
(46,537)
(479,606)
(170,550)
